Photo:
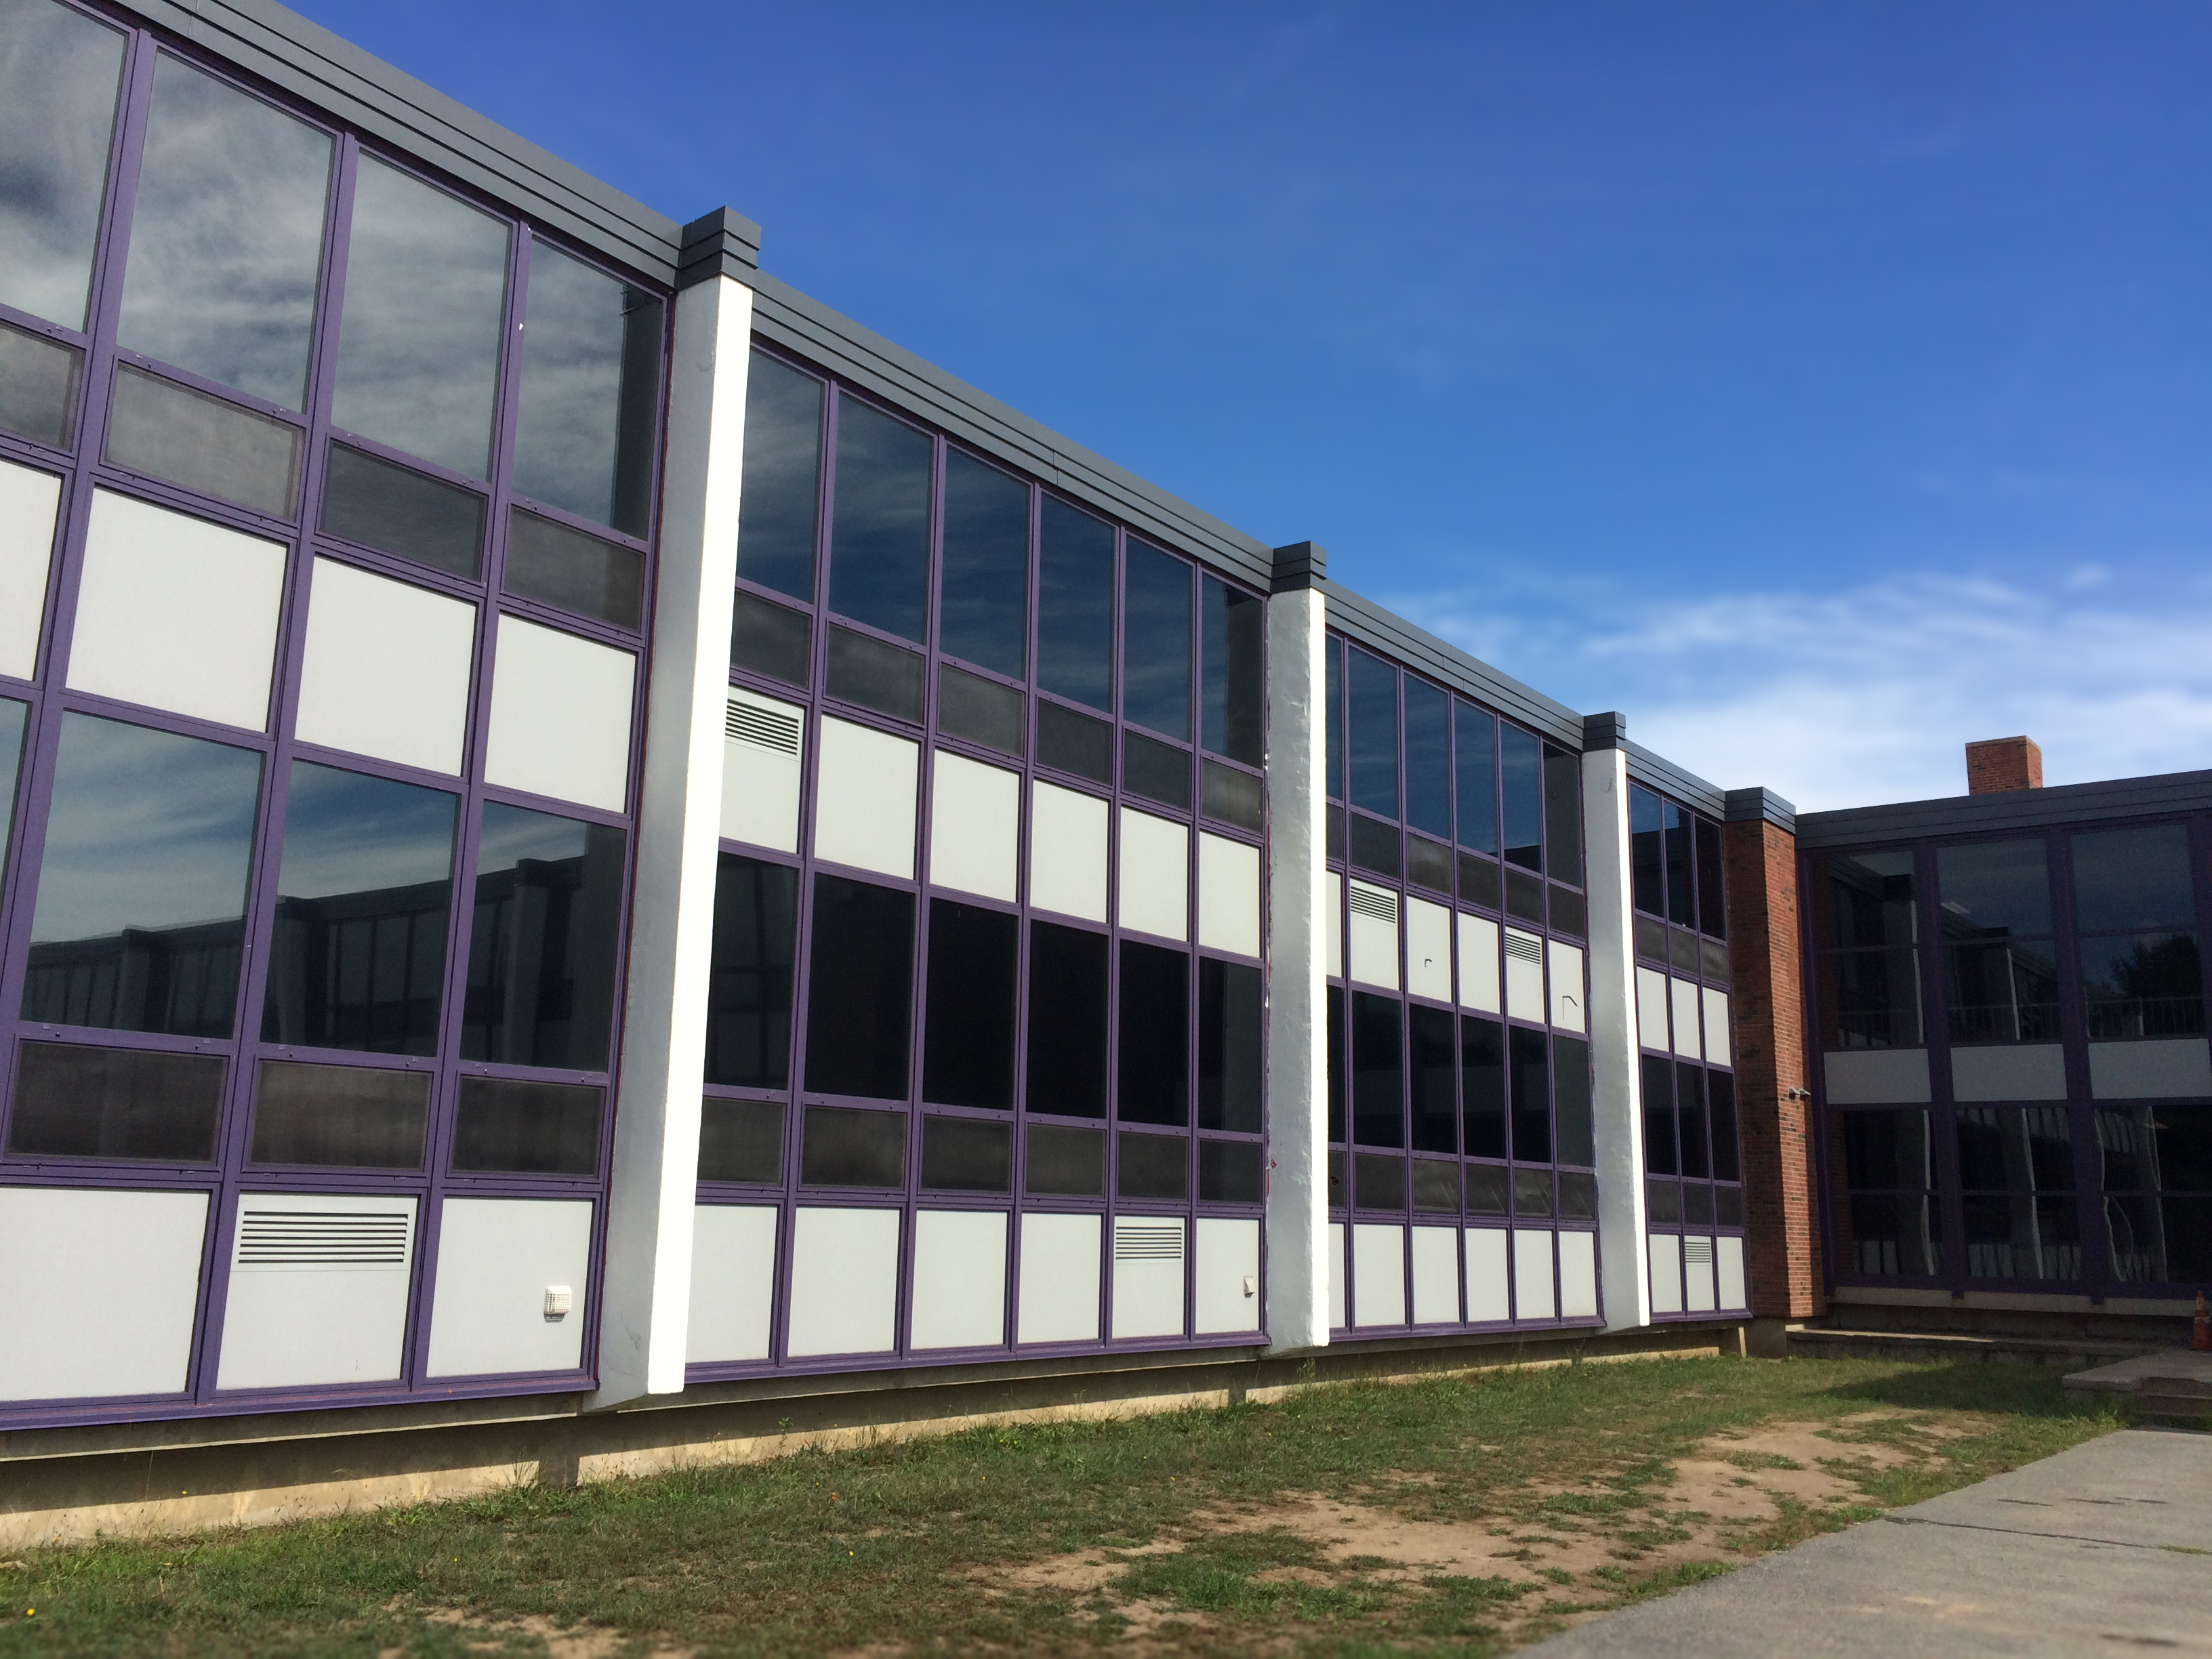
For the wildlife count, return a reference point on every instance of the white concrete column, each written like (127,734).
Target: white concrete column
(1297,1017)
(1614,1074)
(645,1299)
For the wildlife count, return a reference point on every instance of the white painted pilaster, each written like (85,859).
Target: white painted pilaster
(1614,1074)
(1297,1022)
(645,1301)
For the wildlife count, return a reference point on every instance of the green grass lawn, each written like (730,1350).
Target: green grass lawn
(1454,1515)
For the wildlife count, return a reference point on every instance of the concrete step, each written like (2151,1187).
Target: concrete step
(2171,1388)
(1845,1342)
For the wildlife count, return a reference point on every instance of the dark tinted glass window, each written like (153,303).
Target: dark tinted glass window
(141,892)
(772,640)
(1520,763)
(1066,1021)
(1075,605)
(1577,1198)
(505,1126)
(1482,1080)
(1428,758)
(1689,1121)
(58,87)
(339,1116)
(782,492)
(1888,1149)
(1478,882)
(1435,1184)
(858,985)
(1660,1155)
(542,947)
(164,430)
(1374,846)
(1074,742)
(1681,889)
(879,523)
(558,566)
(983,711)
(39,379)
(1485,1189)
(1570,1084)
(2143,985)
(741,1140)
(1571,916)
(1532,1097)
(1068,1162)
(875,674)
(1720,1103)
(1524,896)
(1434,1044)
(1232,626)
(1229,1060)
(1153,1053)
(396,510)
(968,1029)
(750,982)
(1563,815)
(1155,1167)
(1372,702)
(12,718)
(1475,758)
(75,1102)
(591,377)
(845,1148)
(1429,863)
(1646,858)
(1378,1061)
(1336,1041)
(2133,879)
(1378,1182)
(1157,771)
(1994,889)
(358,959)
(226,236)
(1156,651)
(960,1155)
(1865,901)
(1531,1193)
(1333,717)
(1231,1172)
(1712,913)
(983,606)
(419,345)
(1232,796)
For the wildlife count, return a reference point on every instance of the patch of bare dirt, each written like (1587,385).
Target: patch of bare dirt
(562,1641)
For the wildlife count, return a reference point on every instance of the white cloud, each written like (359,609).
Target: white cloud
(1869,695)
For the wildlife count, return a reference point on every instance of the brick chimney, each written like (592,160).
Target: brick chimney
(1996,764)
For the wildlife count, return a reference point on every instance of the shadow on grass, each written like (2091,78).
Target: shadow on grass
(2016,1390)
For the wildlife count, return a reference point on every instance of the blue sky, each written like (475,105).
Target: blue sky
(1823,384)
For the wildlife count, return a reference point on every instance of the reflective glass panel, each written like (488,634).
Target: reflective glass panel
(962,1155)
(1646,861)
(542,947)
(141,890)
(1865,901)
(1532,1097)
(967,1026)
(1870,999)
(1681,887)
(1231,654)
(846,1148)
(1155,1167)
(1571,1084)
(1662,1155)
(418,347)
(368,500)
(983,600)
(2133,880)
(1712,910)
(1157,771)
(741,1140)
(1993,890)
(983,711)
(2005,991)
(2143,985)
(1428,758)
(13,717)
(879,524)
(1720,1101)
(1434,1042)
(749,985)
(339,1117)
(1689,1121)
(167,430)
(1372,711)
(782,499)
(1234,1172)
(1071,1163)
(1153,1051)
(1482,1080)
(1475,758)
(73,1101)
(58,72)
(1075,605)
(1378,1070)
(38,382)
(1230,1059)
(226,237)
(1234,797)
(859,986)
(508,1125)
(358,956)
(876,674)
(555,565)
(1521,766)
(772,640)
(1563,815)
(590,376)
(1156,651)
(1333,717)
(1074,742)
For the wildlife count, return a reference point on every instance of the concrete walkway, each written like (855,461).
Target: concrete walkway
(2106,1549)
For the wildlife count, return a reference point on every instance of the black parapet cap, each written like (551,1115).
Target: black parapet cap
(1300,565)
(1606,731)
(1757,804)
(723,243)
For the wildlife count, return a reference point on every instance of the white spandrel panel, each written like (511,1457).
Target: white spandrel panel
(319,1285)
(98,1290)
(844,1281)
(1717,1028)
(1060,1279)
(1651,1009)
(864,799)
(560,716)
(1685,997)
(763,753)
(1524,975)
(1227,894)
(499,1259)
(975,827)
(1479,985)
(29,500)
(733,1283)
(386,669)
(1335,899)
(1371,936)
(176,613)
(959,1279)
(1428,950)
(1226,1275)
(1155,894)
(1568,1012)
(1067,852)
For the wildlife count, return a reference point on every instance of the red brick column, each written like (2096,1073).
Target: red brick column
(1780,1200)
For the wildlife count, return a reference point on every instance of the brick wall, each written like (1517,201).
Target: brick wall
(1782,1219)
(1996,764)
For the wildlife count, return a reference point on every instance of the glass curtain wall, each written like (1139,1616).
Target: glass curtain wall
(1458,1081)
(997,957)
(326,537)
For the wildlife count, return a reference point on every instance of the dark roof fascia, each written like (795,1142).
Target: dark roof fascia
(1687,787)
(1392,636)
(2013,809)
(399,111)
(805,326)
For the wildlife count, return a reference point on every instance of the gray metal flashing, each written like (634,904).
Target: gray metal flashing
(1300,566)
(401,113)
(1664,775)
(1391,635)
(723,243)
(805,326)
(2014,809)
(1756,804)
(1606,731)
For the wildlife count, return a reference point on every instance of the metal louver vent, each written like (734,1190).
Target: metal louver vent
(1698,1251)
(323,1238)
(1136,1242)
(764,728)
(1376,901)
(1525,946)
